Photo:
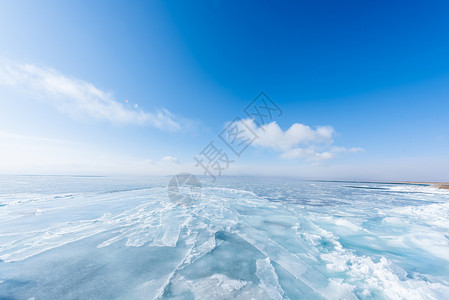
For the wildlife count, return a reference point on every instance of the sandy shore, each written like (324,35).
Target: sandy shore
(441,185)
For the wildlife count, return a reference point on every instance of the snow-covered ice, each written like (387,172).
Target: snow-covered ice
(65,237)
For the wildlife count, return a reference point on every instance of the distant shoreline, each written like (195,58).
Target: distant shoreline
(440,185)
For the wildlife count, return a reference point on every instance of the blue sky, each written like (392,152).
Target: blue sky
(376,74)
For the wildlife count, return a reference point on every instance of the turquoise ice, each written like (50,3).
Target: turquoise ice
(122,238)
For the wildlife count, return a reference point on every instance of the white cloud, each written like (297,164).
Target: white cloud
(337,149)
(272,136)
(170,159)
(79,98)
(308,153)
(298,141)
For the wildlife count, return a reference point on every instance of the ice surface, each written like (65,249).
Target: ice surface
(268,279)
(246,238)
